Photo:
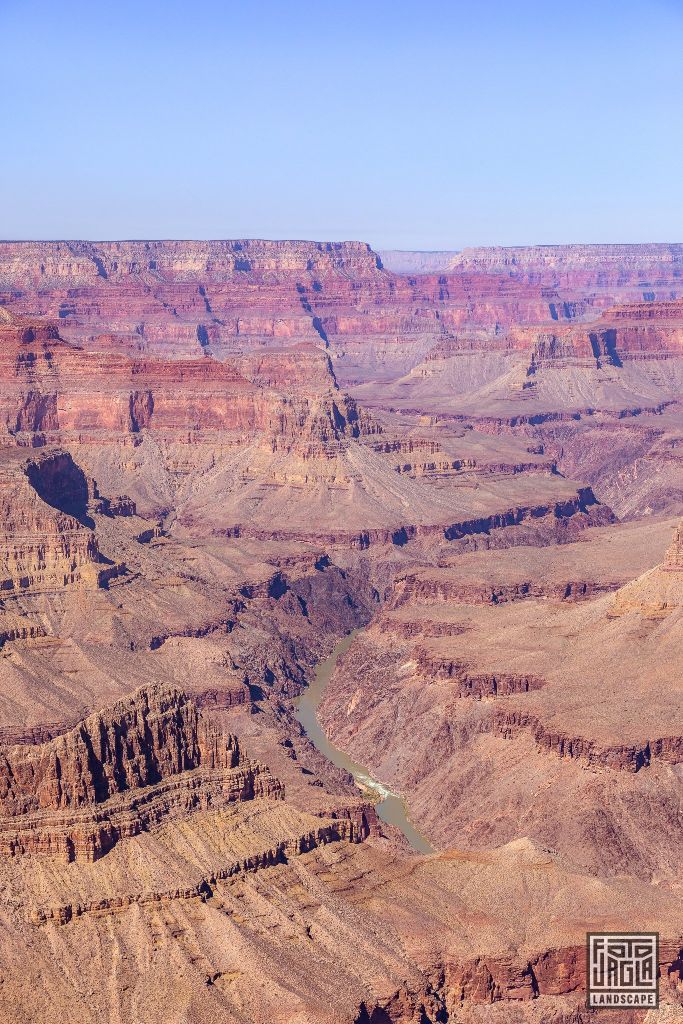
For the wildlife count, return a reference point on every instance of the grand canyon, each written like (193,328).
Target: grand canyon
(432,502)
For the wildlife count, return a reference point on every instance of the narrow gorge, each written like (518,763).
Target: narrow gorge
(390,807)
(340,615)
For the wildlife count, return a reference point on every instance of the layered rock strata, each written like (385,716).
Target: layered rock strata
(46,537)
(190,496)
(186,298)
(119,773)
(496,702)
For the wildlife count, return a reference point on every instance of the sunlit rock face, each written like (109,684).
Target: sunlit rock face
(217,461)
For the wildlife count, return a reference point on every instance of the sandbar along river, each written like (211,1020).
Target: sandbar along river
(390,806)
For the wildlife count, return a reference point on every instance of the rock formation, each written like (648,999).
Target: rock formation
(190,298)
(486,679)
(658,593)
(217,459)
(45,540)
(119,772)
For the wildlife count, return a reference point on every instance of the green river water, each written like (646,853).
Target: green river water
(390,806)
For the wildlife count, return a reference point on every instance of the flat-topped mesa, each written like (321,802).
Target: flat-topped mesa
(318,426)
(302,368)
(558,347)
(77,263)
(309,411)
(555,263)
(181,299)
(118,772)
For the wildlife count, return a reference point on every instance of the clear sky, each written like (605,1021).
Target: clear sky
(420,124)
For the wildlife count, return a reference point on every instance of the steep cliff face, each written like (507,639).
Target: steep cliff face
(463,691)
(137,742)
(186,298)
(189,495)
(74,264)
(118,772)
(183,299)
(46,538)
(52,388)
(589,264)
(638,331)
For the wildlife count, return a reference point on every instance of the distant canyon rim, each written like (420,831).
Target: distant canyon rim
(218,460)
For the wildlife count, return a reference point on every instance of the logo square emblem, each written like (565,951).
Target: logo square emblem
(622,970)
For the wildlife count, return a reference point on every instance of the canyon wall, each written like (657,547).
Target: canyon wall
(193,298)
(219,458)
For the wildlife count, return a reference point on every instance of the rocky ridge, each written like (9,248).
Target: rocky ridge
(486,679)
(197,489)
(118,773)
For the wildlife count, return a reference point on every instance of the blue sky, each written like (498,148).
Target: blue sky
(428,125)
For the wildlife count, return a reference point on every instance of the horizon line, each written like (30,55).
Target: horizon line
(345,241)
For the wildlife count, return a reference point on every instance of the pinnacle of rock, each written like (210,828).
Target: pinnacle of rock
(673,560)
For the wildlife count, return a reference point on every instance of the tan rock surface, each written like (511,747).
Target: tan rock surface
(194,512)
(561,718)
